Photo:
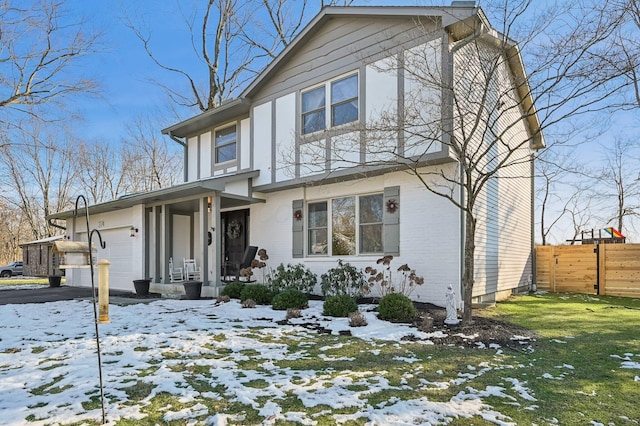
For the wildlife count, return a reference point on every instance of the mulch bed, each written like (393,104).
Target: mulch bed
(481,332)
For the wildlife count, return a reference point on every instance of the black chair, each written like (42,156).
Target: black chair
(249,254)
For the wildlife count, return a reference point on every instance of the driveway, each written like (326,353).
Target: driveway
(54,294)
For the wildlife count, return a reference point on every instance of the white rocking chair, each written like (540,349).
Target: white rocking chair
(191,270)
(175,274)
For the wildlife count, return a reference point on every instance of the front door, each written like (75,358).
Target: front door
(234,239)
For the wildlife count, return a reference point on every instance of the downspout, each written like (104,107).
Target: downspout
(480,29)
(185,147)
(533,284)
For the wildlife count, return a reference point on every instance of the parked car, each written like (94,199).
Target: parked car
(14,268)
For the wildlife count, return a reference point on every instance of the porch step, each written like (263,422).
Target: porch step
(176,290)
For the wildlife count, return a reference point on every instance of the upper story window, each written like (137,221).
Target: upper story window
(225,149)
(341,95)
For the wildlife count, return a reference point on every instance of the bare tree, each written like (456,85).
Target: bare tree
(621,179)
(149,161)
(140,162)
(218,47)
(40,47)
(100,174)
(232,41)
(579,208)
(621,58)
(13,228)
(40,169)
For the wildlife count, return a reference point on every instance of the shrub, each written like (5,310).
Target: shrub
(339,305)
(344,279)
(290,299)
(292,276)
(249,303)
(403,280)
(357,319)
(396,307)
(259,293)
(222,299)
(233,289)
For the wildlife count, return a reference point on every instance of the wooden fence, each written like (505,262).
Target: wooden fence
(612,269)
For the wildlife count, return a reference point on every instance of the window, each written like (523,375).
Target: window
(343,229)
(355,226)
(343,101)
(313,115)
(318,228)
(371,217)
(225,149)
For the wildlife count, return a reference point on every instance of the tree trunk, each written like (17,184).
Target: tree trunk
(469,265)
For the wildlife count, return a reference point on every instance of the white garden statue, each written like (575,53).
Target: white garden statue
(452,311)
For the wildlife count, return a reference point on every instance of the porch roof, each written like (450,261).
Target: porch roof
(188,189)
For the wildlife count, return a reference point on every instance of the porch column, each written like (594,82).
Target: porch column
(157,252)
(216,242)
(167,236)
(204,246)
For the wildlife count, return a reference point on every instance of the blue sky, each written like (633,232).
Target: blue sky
(122,68)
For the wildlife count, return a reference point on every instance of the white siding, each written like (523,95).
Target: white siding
(312,157)
(503,208)
(192,159)
(423,99)
(429,231)
(181,239)
(345,151)
(206,158)
(262,142)
(285,137)
(381,104)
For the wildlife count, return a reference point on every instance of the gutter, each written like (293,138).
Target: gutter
(533,282)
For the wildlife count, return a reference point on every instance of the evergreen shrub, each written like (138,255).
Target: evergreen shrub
(259,293)
(339,305)
(396,307)
(290,299)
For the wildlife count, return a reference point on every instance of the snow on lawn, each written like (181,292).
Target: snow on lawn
(49,375)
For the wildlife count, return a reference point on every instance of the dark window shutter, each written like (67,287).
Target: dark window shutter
(392,220)
(297,217)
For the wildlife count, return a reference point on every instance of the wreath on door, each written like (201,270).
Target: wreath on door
(234,229)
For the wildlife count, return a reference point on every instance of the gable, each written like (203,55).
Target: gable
(341,45)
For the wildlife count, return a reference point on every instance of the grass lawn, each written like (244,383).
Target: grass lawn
(586,363)
(23,281)
(179,362)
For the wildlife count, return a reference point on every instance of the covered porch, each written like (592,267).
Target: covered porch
(205,223)
(144,232)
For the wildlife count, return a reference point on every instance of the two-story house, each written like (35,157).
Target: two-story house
(294,163)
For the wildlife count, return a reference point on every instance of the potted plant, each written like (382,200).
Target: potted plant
(192,289)
(54,280)
(142,286)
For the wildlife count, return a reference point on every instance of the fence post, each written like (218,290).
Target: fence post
(553,259)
